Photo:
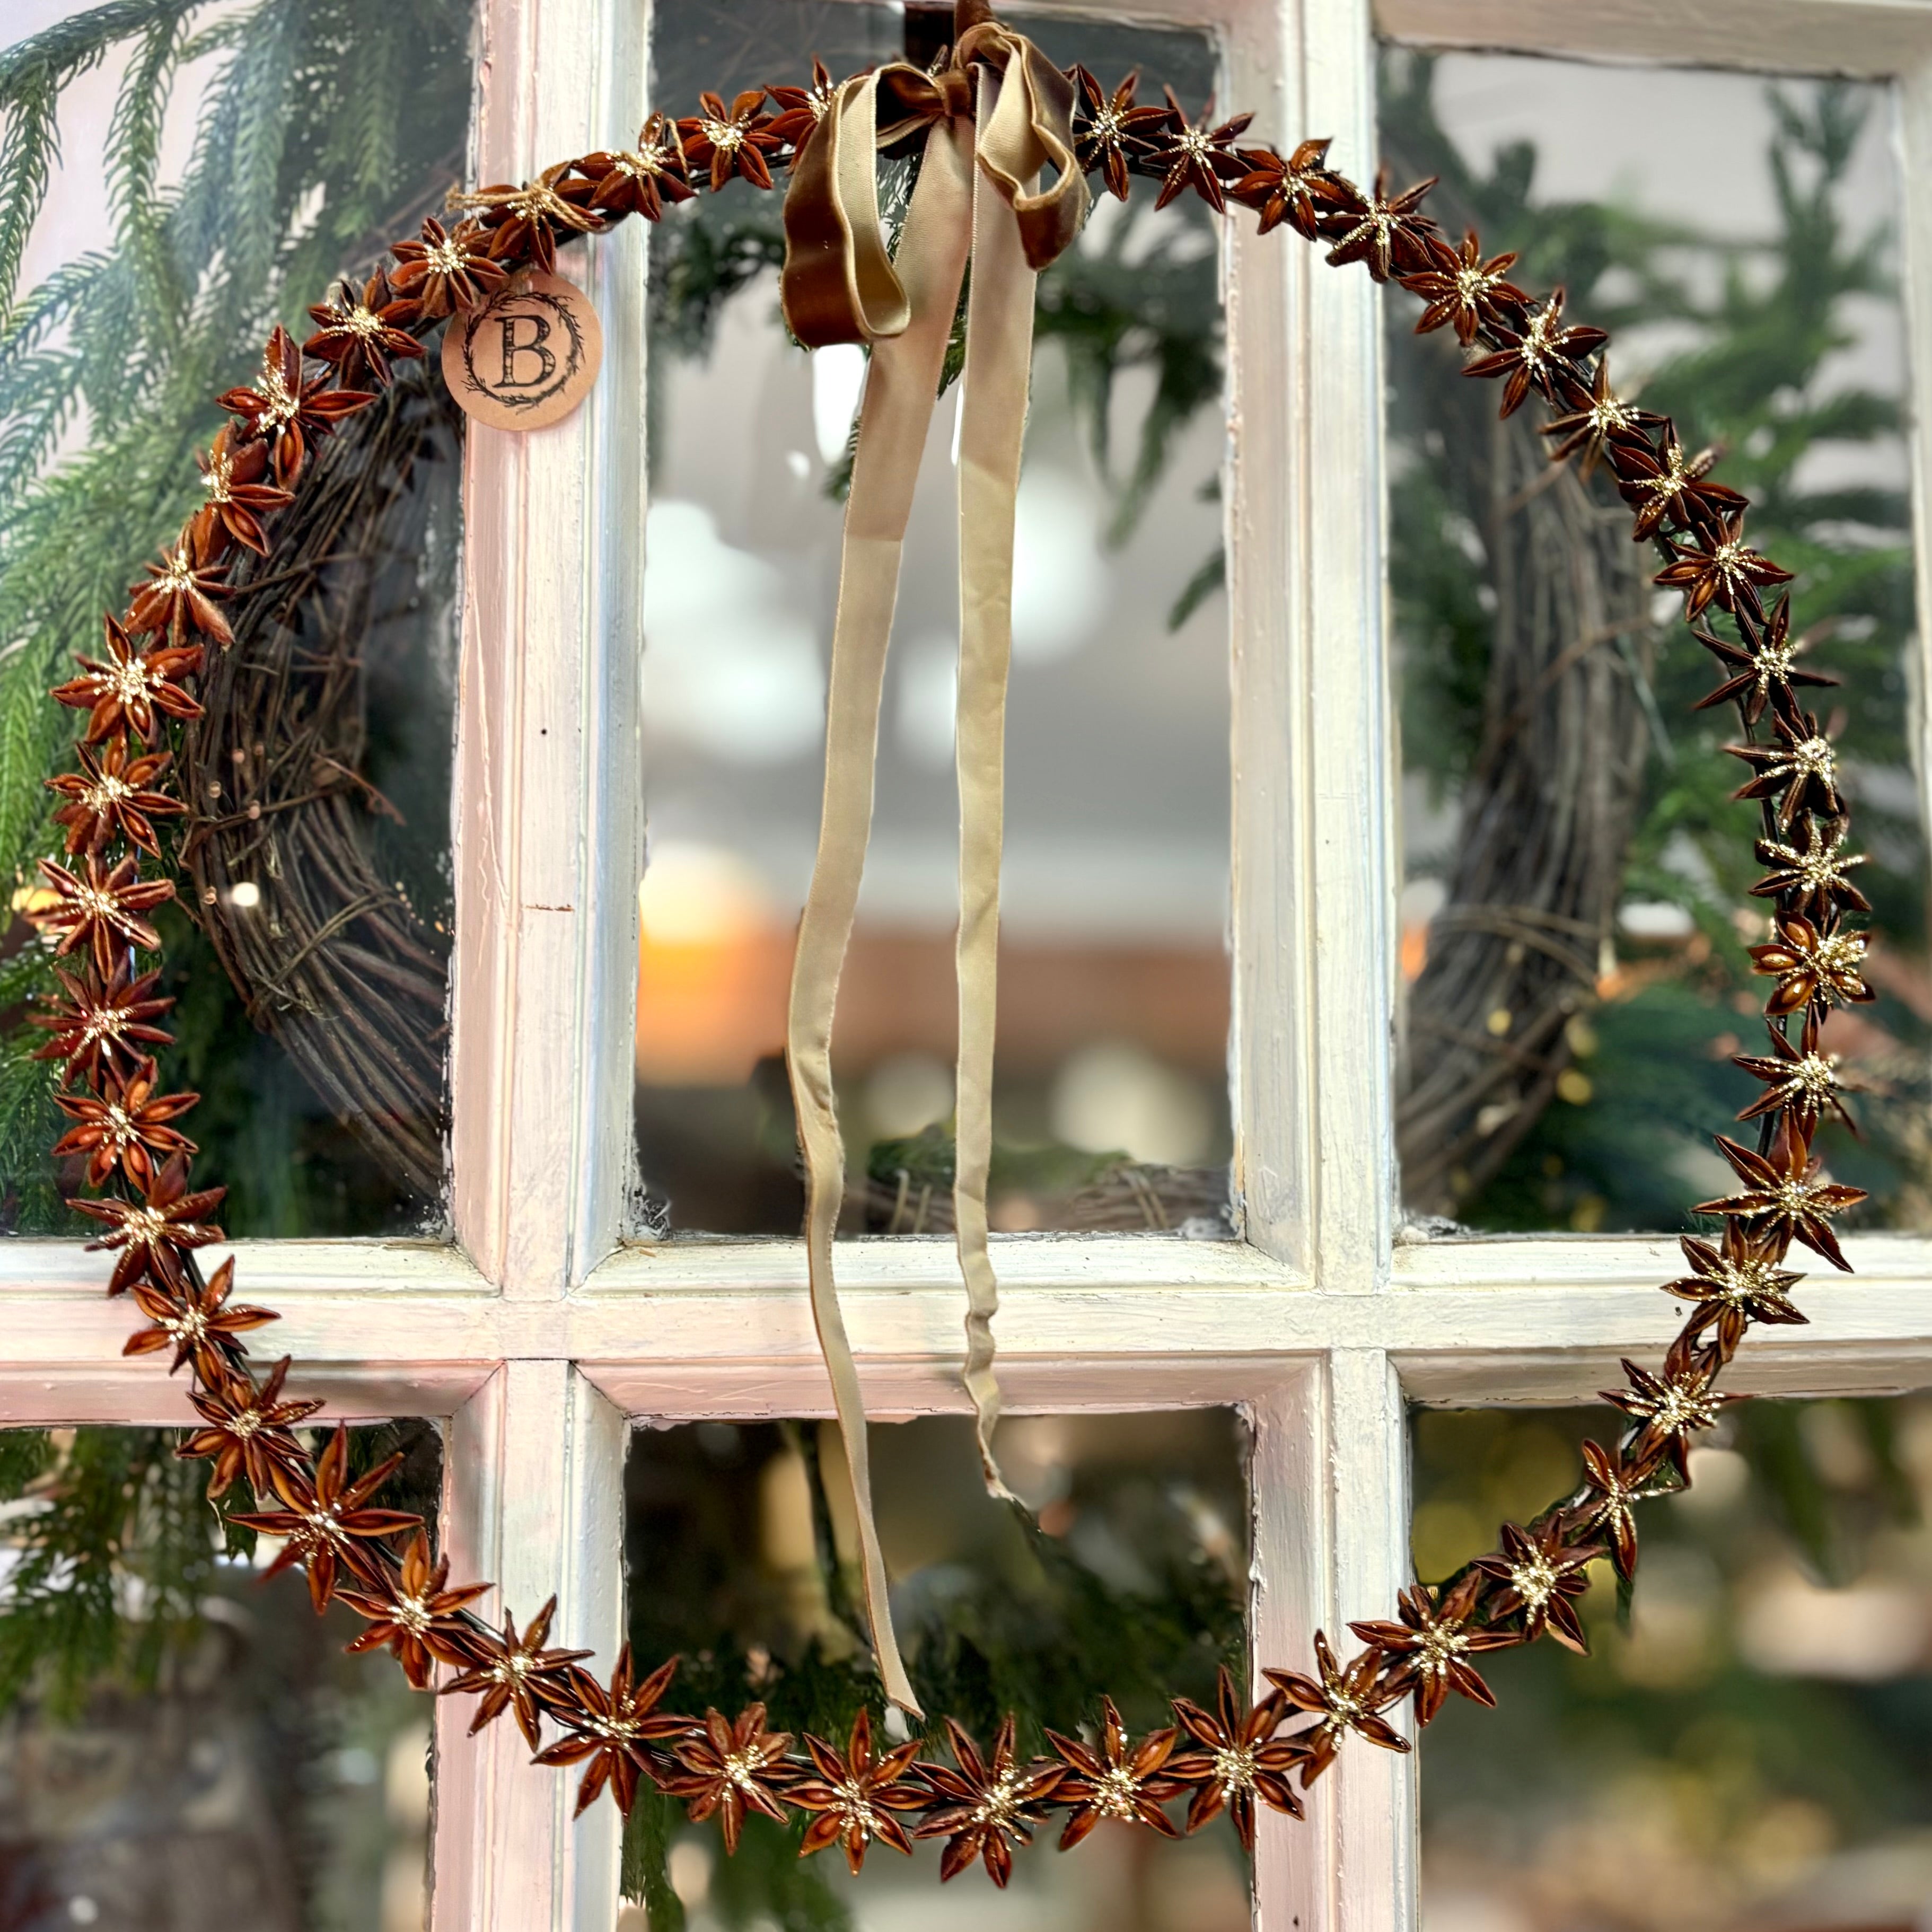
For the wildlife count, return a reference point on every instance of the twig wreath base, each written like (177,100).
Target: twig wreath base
(984,1802)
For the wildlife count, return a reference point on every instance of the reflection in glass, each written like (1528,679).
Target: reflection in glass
(1133,1581)
(192,206)
(1749,1750)
(1577,903)
(1111,1108)
(180,1743)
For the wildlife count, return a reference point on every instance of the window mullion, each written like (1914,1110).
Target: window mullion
(545,811)
(1377,1841)
(534,1498)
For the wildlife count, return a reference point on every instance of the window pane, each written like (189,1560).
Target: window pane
(181,1744)
(306,956)
(1751,1750)
(1135,1583)
(1578,901)
(1111,1109)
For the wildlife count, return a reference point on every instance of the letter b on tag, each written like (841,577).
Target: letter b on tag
(526,358)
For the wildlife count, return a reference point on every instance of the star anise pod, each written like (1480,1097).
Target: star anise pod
(1672,1407)
(524,221)
(99,908)
(179,596)
(1762,669)
(1199,155)
(1812,968)
(730,1769)
(1531,359)
(414,1614)
(1540,1573)
(1717,567)
(100,1027)
(1799,769)
(149,1236)
(1464,290)
(288,411)
(1611,1487)
(1815,877)
(1429,1649)
(986,1806)
(248,1428)
(855,1795)
(1735,1284)
(517,1673)
(1666,486)
(197,1321)
(125,1127)
(235,497)
(1118,1780)
(802,108)
(641,180)
(1381,229)
(112,796)
(1345,1700)
(126,689)
(613,1729)
(1294,191)
(1783,1197)
(1593,417)
(448,269)
(1798,1078)
(361,334)
(325,1520)
(1111,130)
(725,142)
(1240,1759)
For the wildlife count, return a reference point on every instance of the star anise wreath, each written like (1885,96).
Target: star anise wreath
(100,1028)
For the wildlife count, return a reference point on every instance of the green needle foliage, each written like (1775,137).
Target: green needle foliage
(1762,321)
(328,128)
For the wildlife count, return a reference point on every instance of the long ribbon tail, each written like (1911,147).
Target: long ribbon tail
(999,349)
(901,385)
(1024,119)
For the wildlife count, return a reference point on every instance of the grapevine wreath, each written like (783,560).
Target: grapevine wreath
(985,124)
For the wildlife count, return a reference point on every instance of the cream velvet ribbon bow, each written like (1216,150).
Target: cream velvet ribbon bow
(976,192)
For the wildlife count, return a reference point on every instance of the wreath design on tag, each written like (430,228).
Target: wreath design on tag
(995,112)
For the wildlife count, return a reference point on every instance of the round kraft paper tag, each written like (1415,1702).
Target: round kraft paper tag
(527,357)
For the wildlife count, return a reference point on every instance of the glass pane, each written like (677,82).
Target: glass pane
(1111,1106)
(307,954)
(1749,1751)
(1578,903)
(181,1743)
(1134,1582)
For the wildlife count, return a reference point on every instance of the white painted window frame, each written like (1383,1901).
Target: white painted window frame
(540,1335)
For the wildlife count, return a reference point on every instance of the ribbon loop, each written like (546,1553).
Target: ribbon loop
(840,282)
